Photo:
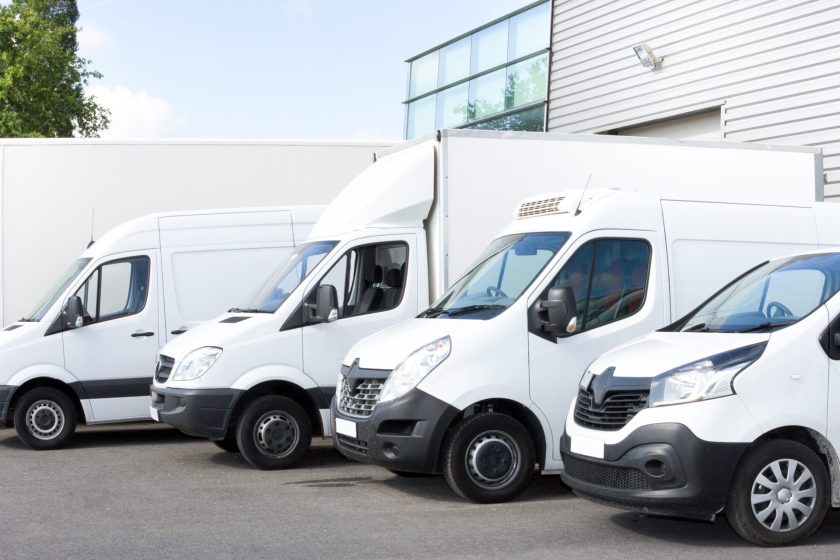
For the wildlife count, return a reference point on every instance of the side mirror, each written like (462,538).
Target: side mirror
(326,304)
(72,316)
(561,311)
(837,339)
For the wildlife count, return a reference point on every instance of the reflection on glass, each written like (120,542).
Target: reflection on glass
(289,276)
(421,117)
(452,106)
(529,31)
(530,120)
(454,62)
(527,81)
(57,289)
(489,47)
(487,95)
(424,74)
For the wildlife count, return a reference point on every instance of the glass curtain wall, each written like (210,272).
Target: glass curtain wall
(495,77)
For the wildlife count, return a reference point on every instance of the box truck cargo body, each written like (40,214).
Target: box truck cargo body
(86,351)
(392,241)
(50,188)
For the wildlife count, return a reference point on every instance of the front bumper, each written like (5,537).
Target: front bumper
(197,412)
(659,469)
(402,435)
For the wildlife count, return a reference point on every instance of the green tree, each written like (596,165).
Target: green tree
(42,77)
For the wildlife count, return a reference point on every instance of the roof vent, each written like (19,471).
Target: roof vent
(541,207)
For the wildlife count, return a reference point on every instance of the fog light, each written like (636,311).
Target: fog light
(390,450)
(655,468)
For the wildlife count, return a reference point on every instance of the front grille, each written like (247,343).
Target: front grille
(614,413)
(353,444)
(164,368)
(609,476)
(359,396)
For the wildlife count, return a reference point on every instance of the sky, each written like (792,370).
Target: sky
(308,69)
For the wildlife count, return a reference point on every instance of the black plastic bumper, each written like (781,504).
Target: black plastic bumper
(197,412)
(5,400)
(660,469)
(403,435)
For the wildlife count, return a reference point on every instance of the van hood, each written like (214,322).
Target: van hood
(223,331)
(17,333)
(386,349)
(658,352)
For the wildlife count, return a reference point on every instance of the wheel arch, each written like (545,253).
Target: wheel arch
(66,388)
(284,388)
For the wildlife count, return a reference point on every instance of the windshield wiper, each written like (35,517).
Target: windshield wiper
(698,327)
(471,308)
(238,310)
(27,320)
(431,313)
(768,325)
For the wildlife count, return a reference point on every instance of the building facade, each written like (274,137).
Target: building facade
(764,71)
(494,77)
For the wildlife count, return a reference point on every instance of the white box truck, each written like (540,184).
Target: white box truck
(261,382)
(86,351)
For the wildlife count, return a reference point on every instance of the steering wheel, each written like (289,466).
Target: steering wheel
(776,309)
(493,291)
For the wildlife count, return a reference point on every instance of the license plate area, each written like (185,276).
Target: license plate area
(345,427)
(587,446)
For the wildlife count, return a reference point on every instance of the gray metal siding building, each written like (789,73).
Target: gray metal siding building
(763,71)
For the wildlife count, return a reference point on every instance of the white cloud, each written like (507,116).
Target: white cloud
(91,36)
(299,7)
(137,114)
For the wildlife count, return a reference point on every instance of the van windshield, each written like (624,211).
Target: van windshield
(505,269)
(57,289)
(772,296)
(289,276)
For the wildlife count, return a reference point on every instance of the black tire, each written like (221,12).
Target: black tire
(273,432)
(45,418)
(793,524)
(504,462)
(408,474)
(228,444)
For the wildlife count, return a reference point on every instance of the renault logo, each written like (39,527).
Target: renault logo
(599,385)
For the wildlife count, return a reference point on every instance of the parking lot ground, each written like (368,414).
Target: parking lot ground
(128,492)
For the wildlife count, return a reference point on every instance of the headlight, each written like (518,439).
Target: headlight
(196,363)
(338,386)
(708,378)
(414,368)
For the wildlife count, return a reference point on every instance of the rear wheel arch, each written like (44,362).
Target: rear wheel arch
(45,382)
(281,388)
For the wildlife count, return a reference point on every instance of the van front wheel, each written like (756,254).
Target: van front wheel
(45,418)
(488,458)
(779,494)
(273,432)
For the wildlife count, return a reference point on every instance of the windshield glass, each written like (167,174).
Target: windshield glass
(58,288)
(774,295)
(289,276)
(505,269)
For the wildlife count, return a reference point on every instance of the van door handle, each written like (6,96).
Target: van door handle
(141,333)
(180,330)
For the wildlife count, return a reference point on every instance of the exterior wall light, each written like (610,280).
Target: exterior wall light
(646,56)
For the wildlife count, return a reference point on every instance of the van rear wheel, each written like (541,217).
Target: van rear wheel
(45,418)
(488,458)
(779,494)
(273,432)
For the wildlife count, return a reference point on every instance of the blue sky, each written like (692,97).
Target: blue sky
(265,68)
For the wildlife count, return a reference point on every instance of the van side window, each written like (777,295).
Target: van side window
(115,289)
(609,278)
(367,279)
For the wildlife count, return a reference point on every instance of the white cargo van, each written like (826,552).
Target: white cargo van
(261,382)
(477,387)
(733,408)
(87,350)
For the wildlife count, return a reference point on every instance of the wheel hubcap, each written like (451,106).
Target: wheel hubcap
(276,434)
(783,495)
(493,460)
(44,419)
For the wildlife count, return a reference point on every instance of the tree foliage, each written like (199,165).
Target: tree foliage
(42,77)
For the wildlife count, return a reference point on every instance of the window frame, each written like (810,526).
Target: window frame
(98,271)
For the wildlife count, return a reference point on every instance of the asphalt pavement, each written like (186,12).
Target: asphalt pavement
(128,492)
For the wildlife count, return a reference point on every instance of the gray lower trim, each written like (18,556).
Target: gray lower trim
(112,388)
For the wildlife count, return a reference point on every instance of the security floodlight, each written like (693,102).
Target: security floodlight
(646,56)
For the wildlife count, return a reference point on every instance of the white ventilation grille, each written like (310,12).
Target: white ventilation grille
(541,207)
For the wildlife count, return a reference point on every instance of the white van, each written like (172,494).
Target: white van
(478,386)
(733,408)
(86,351)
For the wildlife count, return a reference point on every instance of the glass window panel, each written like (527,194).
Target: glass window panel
(489,47)
(529,31)
(424,74)
(487,95)
(421,117)
(452,106)
(454,62)
(527,81)
(532,120)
